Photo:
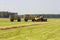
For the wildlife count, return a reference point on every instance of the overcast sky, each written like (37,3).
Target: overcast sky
(31,6)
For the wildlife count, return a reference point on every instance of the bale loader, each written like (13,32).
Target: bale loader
(39,19)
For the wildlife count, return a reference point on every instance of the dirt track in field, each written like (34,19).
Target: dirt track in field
(23,25)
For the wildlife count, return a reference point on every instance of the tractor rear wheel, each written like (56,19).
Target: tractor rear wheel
(12,20)
(26,20)
(18,20)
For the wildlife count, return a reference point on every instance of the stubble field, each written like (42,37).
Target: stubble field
(44,31)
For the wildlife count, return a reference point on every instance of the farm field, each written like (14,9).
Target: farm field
(6,22)
(44,31)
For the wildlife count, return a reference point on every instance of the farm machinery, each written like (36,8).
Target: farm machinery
(28,17)
(34,18)
(41,19)
(12,18)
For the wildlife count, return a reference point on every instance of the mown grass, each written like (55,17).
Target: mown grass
(45,31)
(7,22)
